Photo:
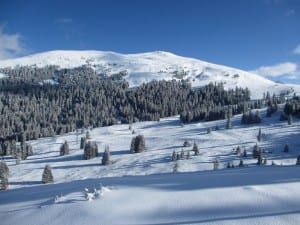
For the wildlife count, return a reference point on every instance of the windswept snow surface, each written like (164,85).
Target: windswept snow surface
(142,188)
(159,65)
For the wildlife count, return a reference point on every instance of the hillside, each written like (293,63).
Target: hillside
(142,188)
(144,67)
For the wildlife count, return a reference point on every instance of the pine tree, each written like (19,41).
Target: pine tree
(195,149)
(47,175)
(90,150)
(241,164)
(137,144)
(82,142)
(4,173)
(298,160)
(186,143)
(216,164)
(259,135)
(106,156)
(174,157)
(64,148)
(175,167)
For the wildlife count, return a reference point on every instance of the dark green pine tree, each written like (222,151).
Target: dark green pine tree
(47,176)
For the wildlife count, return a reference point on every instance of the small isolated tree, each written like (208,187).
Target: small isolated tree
(182,154)
(64,148)
(216,164)
(256,151)
(175,167)
(137,144)
(4,172)
(88,135)
(90,150)
(298,160)
(188,155)
(241,164)
(82,142)
(238,150)
(106,156)
(208,130)
(259,158)
(174,157)
(186,143)
(259,135)
(47,176)
(195,149)
(245,153)
(286,148)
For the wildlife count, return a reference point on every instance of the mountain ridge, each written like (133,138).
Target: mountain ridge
(139,68)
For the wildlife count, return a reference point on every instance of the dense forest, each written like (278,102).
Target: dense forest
(41,102)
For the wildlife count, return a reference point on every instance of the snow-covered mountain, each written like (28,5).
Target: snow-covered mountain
(158,65)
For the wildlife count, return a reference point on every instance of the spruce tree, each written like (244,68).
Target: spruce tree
(259,135)
(195,149)
(47,176)
(4,173)
(64,148)
(106,156)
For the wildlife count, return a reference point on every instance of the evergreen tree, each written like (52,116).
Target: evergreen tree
(256,151)
(259,135)
(216,164)
(82,142)
(195,149)
(174,157)
(4,173)
(64,148)
(106,156)
(137,144)
(90,150)
(241,164)
(298,160)
(47,176)
(186,143)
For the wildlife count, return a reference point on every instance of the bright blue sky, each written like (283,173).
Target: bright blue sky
(245,34)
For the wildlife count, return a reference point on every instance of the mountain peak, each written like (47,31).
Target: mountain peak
(157,65)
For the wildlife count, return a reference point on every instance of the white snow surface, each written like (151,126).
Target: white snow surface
(142,188)
(159,65)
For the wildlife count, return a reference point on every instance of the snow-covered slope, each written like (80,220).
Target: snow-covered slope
(142,188)
(157,65)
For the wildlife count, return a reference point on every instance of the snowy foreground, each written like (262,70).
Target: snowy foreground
(142,188)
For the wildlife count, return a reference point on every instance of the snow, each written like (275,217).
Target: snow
(142,188)
(144,67)
(2,75)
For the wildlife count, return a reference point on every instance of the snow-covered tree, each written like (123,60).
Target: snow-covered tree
(90,150)
(137,144)
(195,149)
(259,135)
(64,148)
(106,156)
(47,176)
(4,172)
